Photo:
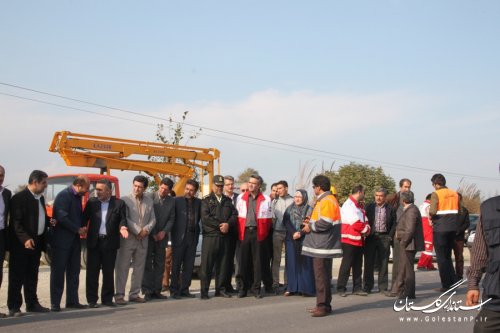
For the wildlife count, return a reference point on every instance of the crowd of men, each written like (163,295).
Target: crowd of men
(243,234)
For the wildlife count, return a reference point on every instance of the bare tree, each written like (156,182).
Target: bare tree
(471,196)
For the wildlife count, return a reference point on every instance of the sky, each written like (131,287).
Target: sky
(411,86)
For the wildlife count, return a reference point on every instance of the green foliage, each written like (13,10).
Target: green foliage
(174,136)
(243,177)
(353,174)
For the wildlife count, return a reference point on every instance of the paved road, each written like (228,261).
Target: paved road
(373,313)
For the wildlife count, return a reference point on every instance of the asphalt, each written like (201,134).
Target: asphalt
(372,313)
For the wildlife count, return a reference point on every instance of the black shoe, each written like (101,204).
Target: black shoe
(37,308)
(242,294)
(342,293)
(360,293)
(222,294)
(187,294)
(2,315)
(159,296)
(15,313)
(55,308)
(111,304)
(176,296)
(78,306)
(204,296)
(148,297)
(231,290)
(93,305)
(269,290)
(277,290)
(257,295)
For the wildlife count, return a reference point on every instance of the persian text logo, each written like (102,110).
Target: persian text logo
(444,301)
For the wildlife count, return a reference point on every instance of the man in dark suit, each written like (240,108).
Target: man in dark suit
(4,213)
(164,208)
(27,230)
(184,236)
(106,218)
(410,235)
(65,242)
(232,235)
(381,218)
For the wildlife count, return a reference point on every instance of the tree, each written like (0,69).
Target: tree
(243,177)
(471,196)
(174,136)
(352,174)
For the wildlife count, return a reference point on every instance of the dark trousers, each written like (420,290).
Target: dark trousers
(352,258)
(443,245)
(395,261)
(100,258)
(2,253)
(323,277)
(404,285)
(252,252)
(154,268)
(487,321)
(183,257)
(65,262)
(458,253)
(214,255)
(266,258)
(23,273)
(232,240)
(377,248)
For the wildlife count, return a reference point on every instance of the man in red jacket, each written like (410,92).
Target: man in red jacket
(254,225)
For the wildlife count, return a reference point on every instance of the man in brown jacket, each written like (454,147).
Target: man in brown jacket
(411,240)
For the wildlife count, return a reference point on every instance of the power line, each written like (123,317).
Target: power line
(307,150)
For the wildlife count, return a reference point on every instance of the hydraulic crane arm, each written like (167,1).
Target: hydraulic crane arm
(158,159)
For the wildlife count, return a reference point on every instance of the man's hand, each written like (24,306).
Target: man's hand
(142,234)
(159,236)
(82,230)
(472,297)
(29,244)
(297,235)
(53,222)
(224,228)
(124,232)
(307,228)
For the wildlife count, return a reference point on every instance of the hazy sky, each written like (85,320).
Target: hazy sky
(413,83)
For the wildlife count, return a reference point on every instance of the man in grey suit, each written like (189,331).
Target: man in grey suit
(140,221)
(184,236)
(410,235)
(164,208)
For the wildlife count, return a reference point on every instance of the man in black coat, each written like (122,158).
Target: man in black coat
(65,243)
(164,207)
(381,218)
(217,214)
(184,237)
(5,196)
(106,216)
(27,230)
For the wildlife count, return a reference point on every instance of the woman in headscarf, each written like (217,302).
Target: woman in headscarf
(299,268)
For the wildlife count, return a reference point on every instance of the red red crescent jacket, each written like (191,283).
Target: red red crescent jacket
(264,218)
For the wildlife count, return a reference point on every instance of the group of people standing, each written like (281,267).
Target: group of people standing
(242,233)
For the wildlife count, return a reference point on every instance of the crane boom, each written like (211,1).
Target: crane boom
(158,159)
